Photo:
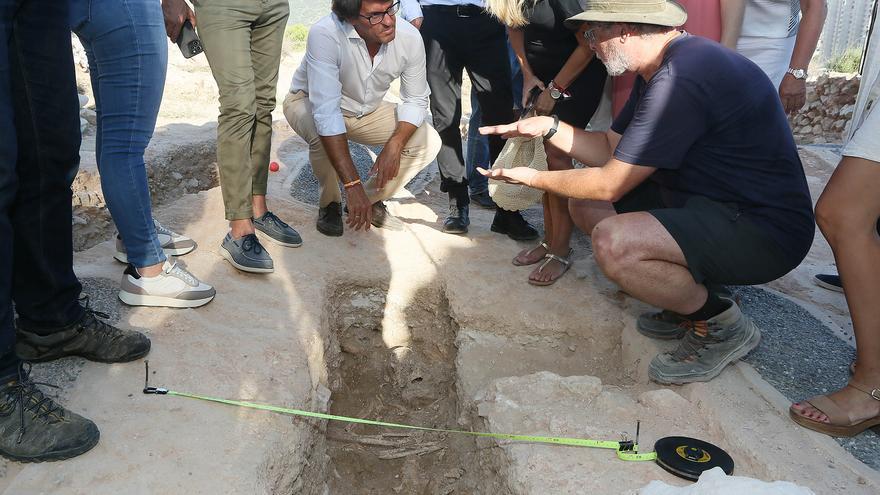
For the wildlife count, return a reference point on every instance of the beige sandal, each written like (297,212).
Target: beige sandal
(565,262)
(839,422)
(516,261)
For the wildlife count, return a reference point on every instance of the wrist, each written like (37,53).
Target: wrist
(552,128)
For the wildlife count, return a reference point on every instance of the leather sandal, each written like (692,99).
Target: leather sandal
(565,262)
(516,261)
(839,422)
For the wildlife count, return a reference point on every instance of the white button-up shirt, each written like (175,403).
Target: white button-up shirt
(341,79)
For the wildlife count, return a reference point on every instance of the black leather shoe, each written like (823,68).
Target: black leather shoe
(514,225)
(330,220)
(483,199)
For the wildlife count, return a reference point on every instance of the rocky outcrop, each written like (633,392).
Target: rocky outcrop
(830,102)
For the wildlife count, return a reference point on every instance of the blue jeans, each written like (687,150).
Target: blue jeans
(128,54)
(477,152)
(39,158)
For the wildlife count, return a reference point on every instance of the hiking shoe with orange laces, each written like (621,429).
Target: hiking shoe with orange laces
(707,347)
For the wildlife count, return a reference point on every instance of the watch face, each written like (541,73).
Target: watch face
(799,73)
(554,93)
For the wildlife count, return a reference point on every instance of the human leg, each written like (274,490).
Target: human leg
(266,38)
(8,188)
(477,152)
(847,213)
(558,230)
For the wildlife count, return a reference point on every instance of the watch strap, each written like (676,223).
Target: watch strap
(553,128)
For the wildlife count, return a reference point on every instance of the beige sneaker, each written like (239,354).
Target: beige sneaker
(173,244)
(174,288)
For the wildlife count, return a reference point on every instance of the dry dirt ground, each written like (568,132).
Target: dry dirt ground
(413,326)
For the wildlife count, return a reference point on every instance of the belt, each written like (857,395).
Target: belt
(468,10)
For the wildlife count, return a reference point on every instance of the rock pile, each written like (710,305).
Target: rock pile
(830,102)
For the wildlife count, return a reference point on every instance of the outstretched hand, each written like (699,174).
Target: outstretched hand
(516,175)
(528,128)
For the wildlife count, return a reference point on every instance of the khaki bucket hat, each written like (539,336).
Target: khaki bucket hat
(660,12)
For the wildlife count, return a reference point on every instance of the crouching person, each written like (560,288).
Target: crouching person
(703,174)
(337,94)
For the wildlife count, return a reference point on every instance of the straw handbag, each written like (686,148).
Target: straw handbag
(518,152)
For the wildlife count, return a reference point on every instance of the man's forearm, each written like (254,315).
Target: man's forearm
(606,183)
(588,147)
(809,31)
(340,157)
(401,135)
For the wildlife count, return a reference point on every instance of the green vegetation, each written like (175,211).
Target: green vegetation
(295,35)
(849,61)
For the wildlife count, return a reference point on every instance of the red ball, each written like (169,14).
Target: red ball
(273,166)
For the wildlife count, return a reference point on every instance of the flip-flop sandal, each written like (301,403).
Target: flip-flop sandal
(839,422)
(565,262)
(516,262)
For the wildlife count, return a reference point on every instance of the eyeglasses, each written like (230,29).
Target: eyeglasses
(379,17)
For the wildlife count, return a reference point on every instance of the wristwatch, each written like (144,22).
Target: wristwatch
(557,92)
(797,73)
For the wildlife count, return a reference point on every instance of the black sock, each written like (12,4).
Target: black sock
(714,306)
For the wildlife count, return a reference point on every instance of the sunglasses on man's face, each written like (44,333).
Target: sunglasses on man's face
(380,16)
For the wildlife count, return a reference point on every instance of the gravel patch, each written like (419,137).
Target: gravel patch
(801,358)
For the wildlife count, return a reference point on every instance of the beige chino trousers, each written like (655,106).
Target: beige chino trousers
(242,41)
(373,129)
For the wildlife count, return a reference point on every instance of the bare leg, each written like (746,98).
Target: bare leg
(556,208)
(259,202)
(847,214)
(586,213)
(635,251)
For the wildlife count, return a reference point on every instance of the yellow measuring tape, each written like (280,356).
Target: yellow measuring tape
(626,450)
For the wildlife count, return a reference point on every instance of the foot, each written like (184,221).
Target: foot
(247,254)
(548,272)
(330,220)
(382,219)
(707,348)
(483,199)
(173,244)
(277,231)
(458,220)
(829,281)
(857,405)
(513,225)
(33,428)
(173,287)
(531,256)
(669,325)
(90,338)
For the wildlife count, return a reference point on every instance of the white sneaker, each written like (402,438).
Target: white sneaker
(173,244)
(174,288)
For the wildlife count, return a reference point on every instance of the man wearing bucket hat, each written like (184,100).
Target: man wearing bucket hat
(703,174)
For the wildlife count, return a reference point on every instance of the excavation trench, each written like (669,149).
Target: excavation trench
(399,366)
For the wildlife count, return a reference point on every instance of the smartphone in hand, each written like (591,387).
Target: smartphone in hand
(188,41)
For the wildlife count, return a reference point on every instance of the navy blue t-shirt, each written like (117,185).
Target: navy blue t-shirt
(712,124)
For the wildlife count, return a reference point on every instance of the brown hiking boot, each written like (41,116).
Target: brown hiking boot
(90,338)
(33,428)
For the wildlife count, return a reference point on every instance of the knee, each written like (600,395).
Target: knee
(557,160)
(610,249)
(834,219)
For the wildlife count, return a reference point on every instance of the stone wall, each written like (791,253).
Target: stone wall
(830,101)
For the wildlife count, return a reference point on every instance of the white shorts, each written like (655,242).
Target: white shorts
(864,143)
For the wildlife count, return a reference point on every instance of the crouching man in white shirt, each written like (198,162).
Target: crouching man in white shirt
(352,56)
